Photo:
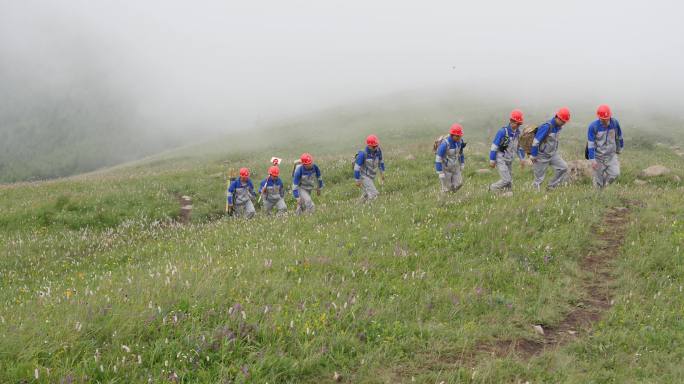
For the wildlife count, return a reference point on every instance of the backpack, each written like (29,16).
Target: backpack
(232,176)
(505,142)
(295,165)
(527,137)
(586,146)
(439,140)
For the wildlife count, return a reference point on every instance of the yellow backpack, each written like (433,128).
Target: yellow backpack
(527,137)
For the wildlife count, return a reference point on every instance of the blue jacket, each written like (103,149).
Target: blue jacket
(361,160)
(595,128)
(542,132)
(270,182)
(302,172)
(237,184)
(442,149)
(496,143)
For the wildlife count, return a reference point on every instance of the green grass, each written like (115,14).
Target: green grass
(98,285)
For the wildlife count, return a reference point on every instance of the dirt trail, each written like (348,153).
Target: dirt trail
(596,283)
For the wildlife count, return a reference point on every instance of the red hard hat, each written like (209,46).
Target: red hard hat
(517,116)
(563,114)
(244,172)
(456,129)
(306,159)
(603,112)
(274,171)
(372,141)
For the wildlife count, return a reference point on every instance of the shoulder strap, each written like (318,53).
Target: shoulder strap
(548,132)
(596,132)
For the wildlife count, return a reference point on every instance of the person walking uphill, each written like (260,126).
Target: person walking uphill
(604,143)
(273,192)
(240,194)
(449,160)
(504,149)
(545,151)
(305,178)
(367,164)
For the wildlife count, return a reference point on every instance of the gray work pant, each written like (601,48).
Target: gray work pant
(506,173)
(369,192)
(452,180)
(608,170)
(560,168)
(278,205)
(306,204)
(245,210)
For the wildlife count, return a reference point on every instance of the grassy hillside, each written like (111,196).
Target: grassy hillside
(97,283)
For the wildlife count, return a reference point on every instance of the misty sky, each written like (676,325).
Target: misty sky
(222,65)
